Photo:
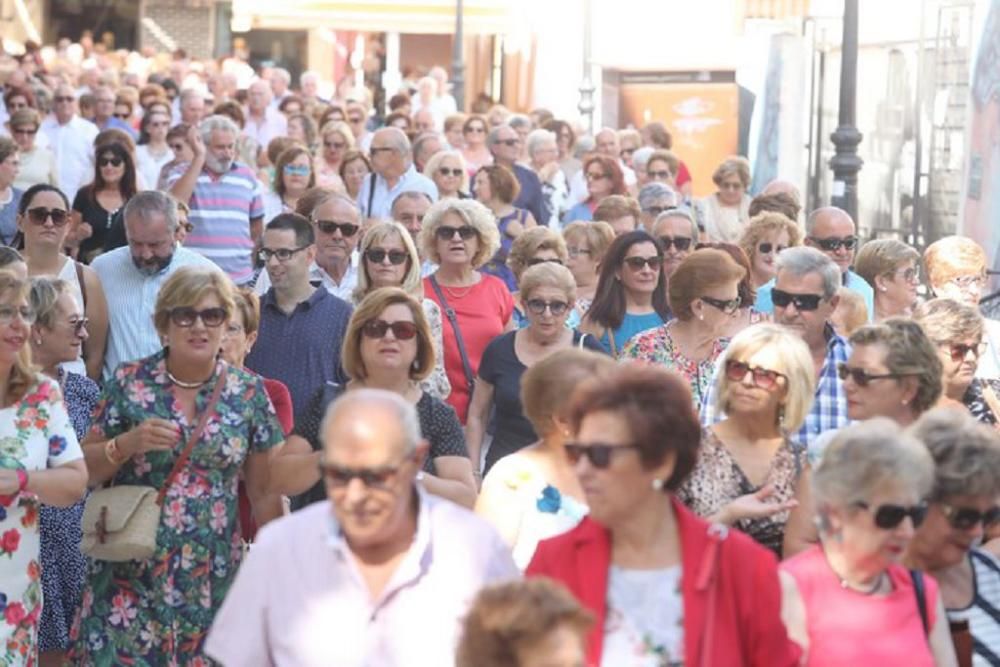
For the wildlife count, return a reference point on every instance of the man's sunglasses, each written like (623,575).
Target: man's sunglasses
(185,316)
(964,518)
(803,302)
(401,330)
(599,454)
(888,517)
(763,378)
(728,306)
(374,478)
(40,214)
(377,256)
(833,244)
(447,233)
(330,227)
(861,377)
(682,243)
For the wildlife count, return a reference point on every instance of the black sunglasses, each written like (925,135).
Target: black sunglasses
(186,316)
(538,306)
(767,248)
(374,478)
(401,330)
(964,518)
(599,454)
(888,517)
(113,161)
(636,263)
(861,377)
(377,256)
(833,244)
(445,171)
(40,214)
(447,233)
(682,243)
(728,306)
(803,302)
(763,378)
(331,226)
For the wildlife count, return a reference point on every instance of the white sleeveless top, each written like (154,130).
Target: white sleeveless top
(68,274)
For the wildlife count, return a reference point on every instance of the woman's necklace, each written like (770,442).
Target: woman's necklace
(457,293)
(846,585)
(187,385)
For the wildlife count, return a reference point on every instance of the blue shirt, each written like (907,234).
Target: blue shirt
(852,281)
(531,197)
(381,200)
(8,217)
(631,325)
(580,212)
(301,349)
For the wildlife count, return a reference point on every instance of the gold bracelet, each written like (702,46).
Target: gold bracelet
(112,453)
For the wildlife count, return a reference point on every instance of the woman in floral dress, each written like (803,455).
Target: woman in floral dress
(40,462)
(157,612)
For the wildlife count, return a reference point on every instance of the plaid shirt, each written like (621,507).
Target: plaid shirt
(829,408)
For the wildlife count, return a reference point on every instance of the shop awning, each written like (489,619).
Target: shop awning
(415,16)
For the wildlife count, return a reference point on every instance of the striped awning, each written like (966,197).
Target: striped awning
(415,16)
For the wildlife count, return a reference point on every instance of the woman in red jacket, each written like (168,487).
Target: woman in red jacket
(664,585)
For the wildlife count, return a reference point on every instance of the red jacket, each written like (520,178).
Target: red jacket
(743,576)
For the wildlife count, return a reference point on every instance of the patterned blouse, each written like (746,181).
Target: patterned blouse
(975,400)
(717,480)
(657,346)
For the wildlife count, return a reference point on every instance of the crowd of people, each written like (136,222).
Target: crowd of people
(471,388)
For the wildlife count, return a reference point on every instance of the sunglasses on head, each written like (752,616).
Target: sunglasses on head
(637,263)
(960,351)
(40,214)
(833,244)
(447,233)
(768,248)
(964,518)
(538,306)
(445,171)
(889,516)
(803,302)
(598,454)
(728,306)
(331,226)
(861,377)
(373,478)
(400,330)
(185,316)
(377,256)
(682,243)
(763,378)
(113,161)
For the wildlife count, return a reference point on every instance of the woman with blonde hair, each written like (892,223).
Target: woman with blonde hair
(766,235)
(538,245)
(448,171)
(892,268)
(335,141)
(724,214)
(586,243)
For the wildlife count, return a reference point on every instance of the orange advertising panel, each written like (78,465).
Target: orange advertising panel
(702,117)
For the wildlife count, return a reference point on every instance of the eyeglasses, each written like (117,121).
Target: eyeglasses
(682,243)
(444,171)
(447,233)
(335,145)
(509,142)
(475,129)
(664,174)
(803,302)
(113,161)
(539,306)
(283,254)
(964,518)
(763,378)
(637,263)
(123,116)
(910,275)
(378,255)
(297,170)
(373,478)
(535,261)
(595,176)
(959,351)
(64,98)
(598,454)
(186,316)
(861,377)
(79,326)
(833,244)
(40,214)
(575,252)
(969,282)
(26,131)
(768,248)
(731,185)
(400,330)
(8,313)
(728,306)
(888,517)
(331,226)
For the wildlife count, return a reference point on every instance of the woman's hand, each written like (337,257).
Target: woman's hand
(754,506)
(151,435)
(83,231)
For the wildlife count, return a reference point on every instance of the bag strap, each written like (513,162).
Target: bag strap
(470,377)
(195,435)
(371,195)
(83,284)
(918,590)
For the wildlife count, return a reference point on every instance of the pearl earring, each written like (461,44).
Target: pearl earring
(657,484)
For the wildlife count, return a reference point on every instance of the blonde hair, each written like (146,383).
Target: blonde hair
(471,213)
(525,246)
(852,309)
(952,257)
(434,163)
(599,237)
(763,225)
(882,257)
(369,309)
(948,321)
(380,231)
(795,363)
(22,373)
(547,386)
(248,304)
(186,287)
(735,165)
(341,128)
(548,275)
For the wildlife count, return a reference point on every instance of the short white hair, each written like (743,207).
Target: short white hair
(536,138)
(217,122)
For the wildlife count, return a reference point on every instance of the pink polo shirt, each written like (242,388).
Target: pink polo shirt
(299,599)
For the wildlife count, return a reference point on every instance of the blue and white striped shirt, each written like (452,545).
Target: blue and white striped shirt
(131,299)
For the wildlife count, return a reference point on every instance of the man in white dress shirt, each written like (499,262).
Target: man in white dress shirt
(71,138)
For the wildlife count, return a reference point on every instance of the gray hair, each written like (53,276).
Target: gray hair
(684,214)
(655,191)
(143,204)
(802,260)
(410,194)
(308,75)
(43,296)
(217,123)
(641,156)
(519,120)
(865,458)
(282,74)
(538,137)
(333,195)
(397,140)
(405,413)
(423,138)
(966,453)
(188,93)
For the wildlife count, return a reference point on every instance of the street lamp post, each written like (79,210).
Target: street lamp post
(586,105)
(457,64)
(846,164)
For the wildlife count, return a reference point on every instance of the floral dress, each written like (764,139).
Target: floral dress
(157,612)
(35,434)
(657,346)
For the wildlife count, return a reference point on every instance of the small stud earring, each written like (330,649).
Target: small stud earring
(657,484)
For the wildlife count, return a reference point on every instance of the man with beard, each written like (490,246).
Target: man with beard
(132,276)
(224,199)
(805,296)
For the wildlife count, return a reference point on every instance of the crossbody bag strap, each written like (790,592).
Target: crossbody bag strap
(919,592)
(450,314)
(371,195)
(195,435)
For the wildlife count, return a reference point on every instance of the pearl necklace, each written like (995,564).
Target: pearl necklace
(845,584)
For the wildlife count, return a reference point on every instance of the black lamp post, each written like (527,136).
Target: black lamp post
(846,164)
(457,64)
